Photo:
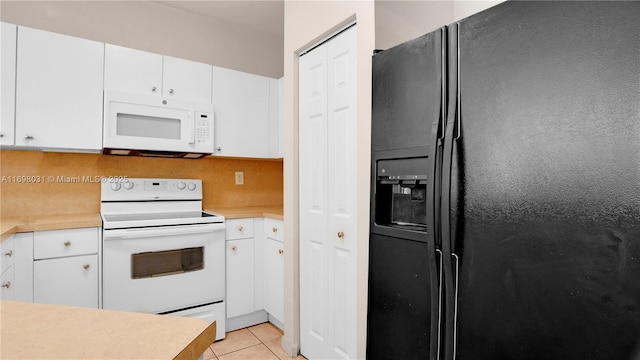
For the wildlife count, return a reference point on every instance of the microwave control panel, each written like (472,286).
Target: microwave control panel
(203,128)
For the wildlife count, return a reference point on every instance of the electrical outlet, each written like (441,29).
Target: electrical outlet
(239,177)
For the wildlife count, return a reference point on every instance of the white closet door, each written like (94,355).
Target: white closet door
(327,143)
(342,189)
(314,274)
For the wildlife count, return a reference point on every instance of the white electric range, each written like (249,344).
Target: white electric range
(161,253)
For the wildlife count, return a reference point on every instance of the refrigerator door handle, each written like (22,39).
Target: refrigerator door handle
(458,92)
(456,277)
(443,86)
(440,295)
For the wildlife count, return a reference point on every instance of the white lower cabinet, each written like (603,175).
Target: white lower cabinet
(240,284)
(71,281)
(16,278)
(274,276)
(255,272)
(65,267)
(7,280)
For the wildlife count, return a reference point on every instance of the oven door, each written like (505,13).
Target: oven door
(160,269)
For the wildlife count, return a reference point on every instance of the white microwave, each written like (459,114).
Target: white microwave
(148,125)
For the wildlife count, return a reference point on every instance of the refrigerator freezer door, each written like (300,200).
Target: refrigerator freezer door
(545,209)
(406,93)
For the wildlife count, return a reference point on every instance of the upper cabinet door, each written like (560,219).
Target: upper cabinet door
(8,63)
(141,72)
(59,88)
(241,104)
(132,71)
(275,118)
(187,80)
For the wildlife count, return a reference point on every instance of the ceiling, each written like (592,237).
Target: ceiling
(264,16)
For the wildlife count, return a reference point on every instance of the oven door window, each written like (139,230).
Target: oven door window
(160,263)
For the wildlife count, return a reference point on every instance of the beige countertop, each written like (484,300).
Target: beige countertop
(268,211)
(42,331)
(12,225)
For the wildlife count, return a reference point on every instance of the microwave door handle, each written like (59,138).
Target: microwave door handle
(192,133)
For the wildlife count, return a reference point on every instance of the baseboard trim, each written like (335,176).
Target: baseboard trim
(243,321)
(290,347)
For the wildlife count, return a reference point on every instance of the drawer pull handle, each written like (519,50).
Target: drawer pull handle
(240,228)
(7,285)
(9,253)
(275,229)
(85,266)
(234,248)
(340,234)
(280,251)
(67,243)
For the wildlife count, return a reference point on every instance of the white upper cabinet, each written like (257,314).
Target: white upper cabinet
(59,86)
(241,105)
(275,118)
(8,78)
(186,79)
(140,72)
(132,71)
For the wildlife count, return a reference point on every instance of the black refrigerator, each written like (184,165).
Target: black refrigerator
(505,205)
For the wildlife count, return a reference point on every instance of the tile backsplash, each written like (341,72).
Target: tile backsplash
(47,183)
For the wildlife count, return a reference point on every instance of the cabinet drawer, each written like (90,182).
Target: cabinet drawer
(274,229)
(59,243)
(239,228)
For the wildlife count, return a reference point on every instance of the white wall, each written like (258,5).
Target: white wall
(465,8)
(398,21)
(153,27)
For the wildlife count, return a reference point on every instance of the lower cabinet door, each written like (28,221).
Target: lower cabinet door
(7,281)
(71,281)
(274,278)
(240,277)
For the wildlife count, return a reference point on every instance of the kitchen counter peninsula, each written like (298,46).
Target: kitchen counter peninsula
(42,331)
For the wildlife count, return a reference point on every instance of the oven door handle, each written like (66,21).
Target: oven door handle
(136,233)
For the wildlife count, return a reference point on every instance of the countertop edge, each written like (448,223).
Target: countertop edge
(230,213)
(13,225)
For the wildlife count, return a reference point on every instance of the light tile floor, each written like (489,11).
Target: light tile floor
(259,342)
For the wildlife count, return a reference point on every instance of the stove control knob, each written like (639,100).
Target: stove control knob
(192,186)
(128,185)
(181,185)
(115,186)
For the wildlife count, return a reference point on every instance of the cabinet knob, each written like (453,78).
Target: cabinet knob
(85,266)
(234,248)
(340,234)
(7,285)
(9,253)
(67,243)
(1,135)
(28,137)
(275,229)
(219,149)
(170,91)
(280,251)
(153,89)
(240,228)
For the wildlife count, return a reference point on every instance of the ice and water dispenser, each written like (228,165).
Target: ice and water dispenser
(401,193)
